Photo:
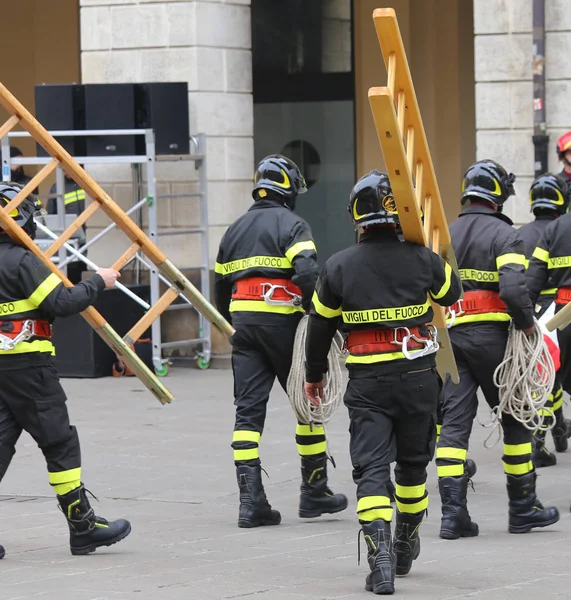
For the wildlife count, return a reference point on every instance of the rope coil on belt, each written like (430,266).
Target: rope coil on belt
(304,411)
(524,379)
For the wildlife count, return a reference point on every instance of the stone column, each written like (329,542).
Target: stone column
(504,87)
(206,43)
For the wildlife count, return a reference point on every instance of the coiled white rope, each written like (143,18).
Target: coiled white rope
(525,380)
(306,412)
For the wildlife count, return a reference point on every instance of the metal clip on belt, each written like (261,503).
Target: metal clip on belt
(268,290)
(452,314)
(28,331)
(430,345)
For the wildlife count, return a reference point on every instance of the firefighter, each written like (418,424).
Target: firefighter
(564,155)
(377,292)
(492,268)
(31,397)
(17,173)
(265,274)
(548,197)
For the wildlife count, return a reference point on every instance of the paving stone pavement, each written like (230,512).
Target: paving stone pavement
(169,470)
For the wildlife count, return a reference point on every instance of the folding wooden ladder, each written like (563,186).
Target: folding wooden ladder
(179,284)
(409,164)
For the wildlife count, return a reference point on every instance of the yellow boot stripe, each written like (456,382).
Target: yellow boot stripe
(410,491)
(520,469)
(65,476)
(246,436)
(450,470)
(309,430)
(517,449)
(454,453)
(412,509)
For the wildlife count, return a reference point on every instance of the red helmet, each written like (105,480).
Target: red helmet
(563,144)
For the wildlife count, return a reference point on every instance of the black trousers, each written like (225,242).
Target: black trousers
(32,400)
(478,349)
(564,338)
(392,418)
(260,354)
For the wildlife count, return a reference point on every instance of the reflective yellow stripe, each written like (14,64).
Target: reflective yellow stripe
(558,403)
(74,196)
(370,359)
(324,311)
(61,489)
(412,509)
(477,275)
(446,286)
(541,254)
(438,429)
(309,430)
(410,491)
(262,262)
(246,436)
(559,392)
(550,292)
(65,476)
(559,262)
(246,454)
(450,470)
(454,453)
(311,449)
(372,502)
(511,258)
(377,315)
(261,306)
(35,346)
(481,318)
(376,514)
(517,449)
(47,286)
(300,247)
(521,469)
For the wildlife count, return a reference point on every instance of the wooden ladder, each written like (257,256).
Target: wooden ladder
(179,284)
(409,165)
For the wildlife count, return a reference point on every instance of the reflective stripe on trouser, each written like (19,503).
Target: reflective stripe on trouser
(517,459)
(476,365)
(310,440)
(32,399)
(392,419)
(260,353)
(548,411)
(64,482)
(564,339)
(411,499)
(557,397)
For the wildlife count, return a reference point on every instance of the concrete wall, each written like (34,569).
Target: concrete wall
(504,87)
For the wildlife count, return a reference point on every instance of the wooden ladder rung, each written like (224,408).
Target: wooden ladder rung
(126,256)
(9,125)
(151,315)
(32,185)
(72,229)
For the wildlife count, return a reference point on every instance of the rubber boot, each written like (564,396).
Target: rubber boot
(316,498)
(87,532)
(407,541)
(526,511)
(456,521)
(540,456)
(561,431)
(255,510)
(470,468)
(381,558)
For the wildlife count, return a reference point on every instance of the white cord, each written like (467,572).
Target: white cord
(524,379)
(304,411)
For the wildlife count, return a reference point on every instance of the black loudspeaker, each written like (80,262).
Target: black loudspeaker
(110,106)
(164,108)
(58,108)
(80,352)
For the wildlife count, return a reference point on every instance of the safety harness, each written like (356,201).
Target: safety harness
(274,292)
(21,330)
(476,302)
(563,295)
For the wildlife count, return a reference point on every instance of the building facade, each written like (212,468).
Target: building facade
(292,76)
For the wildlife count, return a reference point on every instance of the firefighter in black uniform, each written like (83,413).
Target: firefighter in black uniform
(548,196)
(377,292)
(492,268)
(31,397)
(564,155)
(265,274)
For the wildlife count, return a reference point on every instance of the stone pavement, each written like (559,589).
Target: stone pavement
(169,470)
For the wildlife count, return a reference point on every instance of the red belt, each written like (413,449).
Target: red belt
(373,341)
(478,302)
(39,328)
(254,288)
(563,295)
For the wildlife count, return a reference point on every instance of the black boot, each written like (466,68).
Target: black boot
(2,552)
(381,557)
(456,520)
(526,511)
(540,456)
(255,510)
(87,532)
(407,542)
(470,468)
(561,431)
(316,498)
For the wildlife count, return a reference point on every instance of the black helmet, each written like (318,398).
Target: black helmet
(488,181)
(372,202)
(278,174)
(24,214)
(549,191)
